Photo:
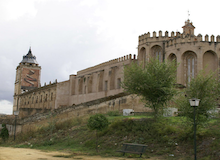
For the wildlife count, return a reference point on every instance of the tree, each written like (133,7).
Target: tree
(4,133)
(97,122)
(155,82)
(206,88)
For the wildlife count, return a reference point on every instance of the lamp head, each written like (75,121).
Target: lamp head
(16,113)
(194,102)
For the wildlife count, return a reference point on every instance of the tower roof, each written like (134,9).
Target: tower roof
(188,28)
(188,24)
(29,58)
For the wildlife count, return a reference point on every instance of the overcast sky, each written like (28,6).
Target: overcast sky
(70,35)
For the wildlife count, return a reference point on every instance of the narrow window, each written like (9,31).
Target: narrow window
(106,85)
(190,68)
(119,83)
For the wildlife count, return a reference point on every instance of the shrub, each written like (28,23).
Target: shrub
(4,133)
(97,122)
(113,113)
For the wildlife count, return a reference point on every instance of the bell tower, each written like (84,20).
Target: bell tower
(188,28)
(27,77)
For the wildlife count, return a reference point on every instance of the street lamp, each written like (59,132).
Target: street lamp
(16,114)
(194,102)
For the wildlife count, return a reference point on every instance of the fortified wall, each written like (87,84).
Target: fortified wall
(82,93)
(39,100)
(103,105)
(99,81)
(93,83)
(191,53)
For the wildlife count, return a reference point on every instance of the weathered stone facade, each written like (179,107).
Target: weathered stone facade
(191,52)
(90,84)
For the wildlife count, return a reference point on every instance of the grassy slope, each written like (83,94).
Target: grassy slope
(169,138)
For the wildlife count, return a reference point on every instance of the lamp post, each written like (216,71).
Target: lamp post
(194,102)
(16,114)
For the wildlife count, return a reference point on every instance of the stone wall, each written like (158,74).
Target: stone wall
(39,99)
(190,52)
(117,102)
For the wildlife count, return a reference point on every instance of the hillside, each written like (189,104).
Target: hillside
(168,138)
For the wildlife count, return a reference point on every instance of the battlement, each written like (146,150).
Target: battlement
(111,62)
(175,36)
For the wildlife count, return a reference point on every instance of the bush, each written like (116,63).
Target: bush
(113,113)
(4,133)
(97,122)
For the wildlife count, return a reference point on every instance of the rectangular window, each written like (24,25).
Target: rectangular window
(193,68)
(188,74)
(106,85)
(118,83)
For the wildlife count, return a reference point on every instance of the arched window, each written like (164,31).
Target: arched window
(210,62)
(90,84)
(172,57)
(156,52)
(32,100)
(142,56)
(80,85)
(85,89)
(189,66)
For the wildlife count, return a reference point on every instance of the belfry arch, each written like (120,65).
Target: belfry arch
(142,56)
(172,57)
(156,52)
(189,65)
(210,62)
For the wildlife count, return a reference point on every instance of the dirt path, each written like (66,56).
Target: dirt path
(7,153)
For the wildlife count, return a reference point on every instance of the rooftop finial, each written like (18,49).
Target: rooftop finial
(188,14)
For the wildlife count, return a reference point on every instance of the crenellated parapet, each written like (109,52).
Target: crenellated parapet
(111,62)
(175,37)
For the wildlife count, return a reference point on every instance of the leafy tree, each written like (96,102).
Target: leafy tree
(206,88)
(4,133)
(154,82)
(97,122)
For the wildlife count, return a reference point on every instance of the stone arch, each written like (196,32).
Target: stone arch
(36,99)
(80,85)
(51,96)
(90,84)
(85,89)
(172,57)
(210,62)
(112,78)
(100,78)
(156,52)
(142,55)
(189,65)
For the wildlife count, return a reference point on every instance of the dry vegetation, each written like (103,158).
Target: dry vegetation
(168,138)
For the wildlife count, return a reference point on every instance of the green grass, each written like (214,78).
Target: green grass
(168,136)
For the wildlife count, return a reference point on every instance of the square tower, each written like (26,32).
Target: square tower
(27,77)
